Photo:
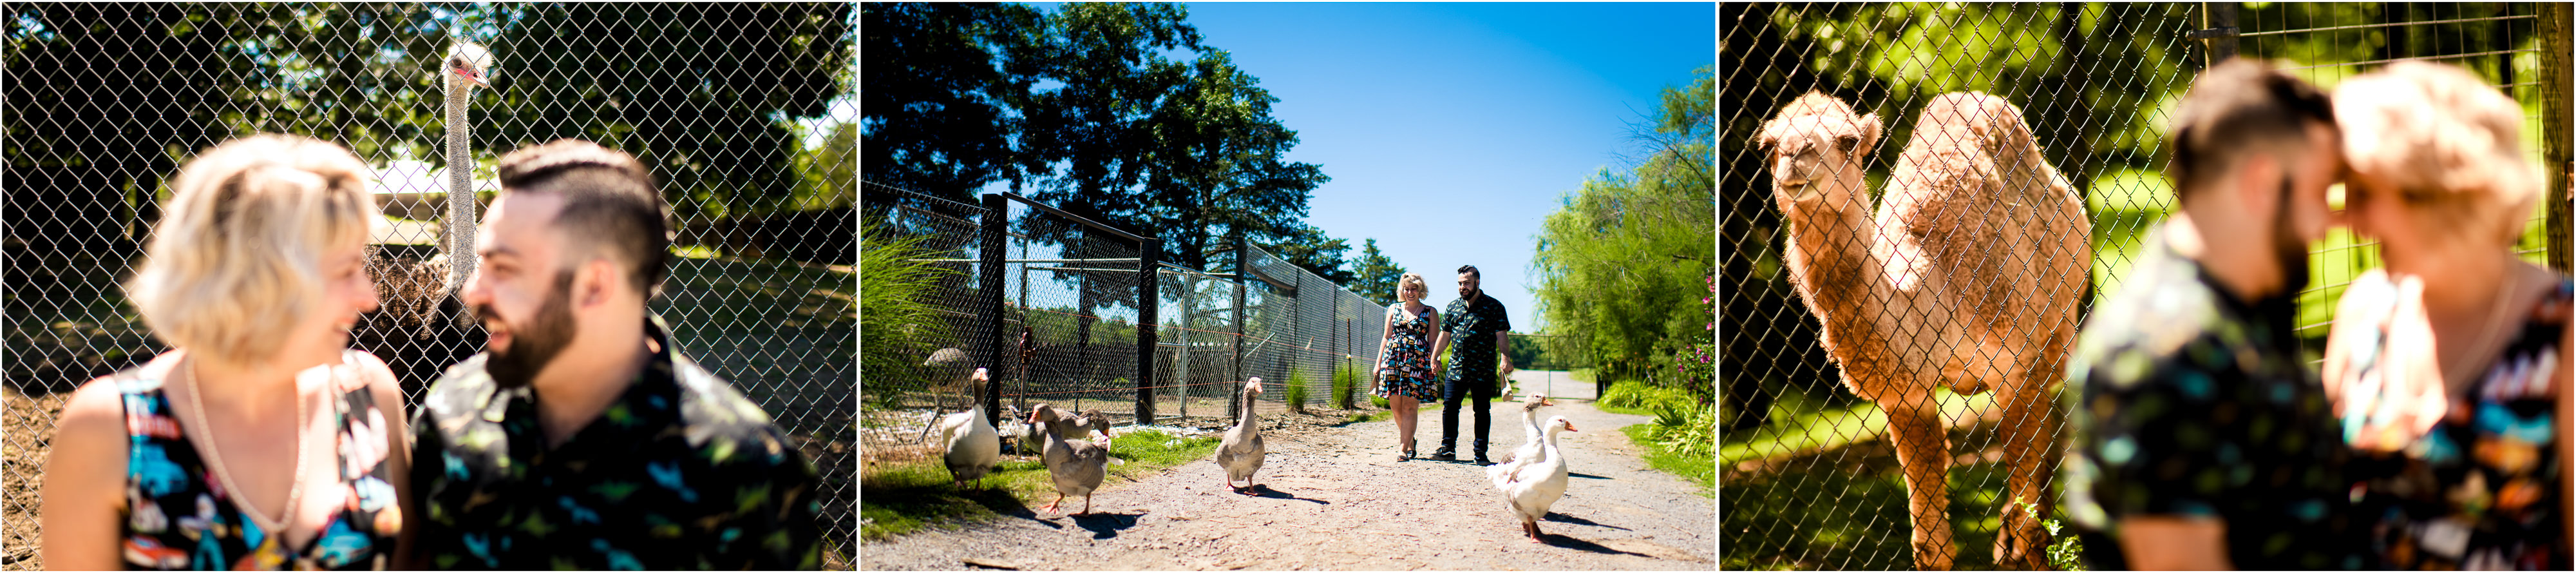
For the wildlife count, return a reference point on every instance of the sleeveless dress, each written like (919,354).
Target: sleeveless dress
(2477,491)
(1408,357)
(178,516)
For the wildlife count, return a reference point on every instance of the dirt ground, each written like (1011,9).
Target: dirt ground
(1335,498)
(30,425)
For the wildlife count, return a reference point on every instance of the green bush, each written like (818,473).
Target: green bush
(895,316)
(1346,382)
(1641,398)
(1297,391)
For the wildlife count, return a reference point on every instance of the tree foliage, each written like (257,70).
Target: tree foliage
(1375,274)
(1623,268)
(104,100)
(1114,112)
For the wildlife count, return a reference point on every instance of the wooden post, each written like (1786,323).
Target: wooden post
(993,252)
(1148,310)
(2555,28)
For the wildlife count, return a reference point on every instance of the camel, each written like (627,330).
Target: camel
(1968,277)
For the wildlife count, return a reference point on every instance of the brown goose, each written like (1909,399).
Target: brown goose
(1076,466)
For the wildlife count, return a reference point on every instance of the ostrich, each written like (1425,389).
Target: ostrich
(465,65)
(1968,277)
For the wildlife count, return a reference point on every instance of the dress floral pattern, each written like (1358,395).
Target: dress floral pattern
(178,516)
(2476,490)
(680,472)
(1408,357)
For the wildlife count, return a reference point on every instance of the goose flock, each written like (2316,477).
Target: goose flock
(1531,479)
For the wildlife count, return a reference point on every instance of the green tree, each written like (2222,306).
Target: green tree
(1375,275)
(1309,249)
(1624,264)
(944,82)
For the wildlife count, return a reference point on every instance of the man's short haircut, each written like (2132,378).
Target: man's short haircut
(2236,108)
(236,260)
(611,205)
(1471,270)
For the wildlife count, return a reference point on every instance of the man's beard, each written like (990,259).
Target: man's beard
(534,343)
(2288,249)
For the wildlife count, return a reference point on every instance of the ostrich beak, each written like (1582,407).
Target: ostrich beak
(473,78)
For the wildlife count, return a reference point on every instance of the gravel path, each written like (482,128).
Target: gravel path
(1334,498)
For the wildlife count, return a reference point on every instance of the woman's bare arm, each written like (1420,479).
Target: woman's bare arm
(84,480)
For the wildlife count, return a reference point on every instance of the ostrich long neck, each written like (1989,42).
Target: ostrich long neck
(460,187)
(1847,277)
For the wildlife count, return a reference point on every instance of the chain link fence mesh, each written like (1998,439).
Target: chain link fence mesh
(746,113)
(1810,480)
(1071,303)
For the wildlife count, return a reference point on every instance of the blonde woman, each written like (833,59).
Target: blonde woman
(259,440)
(2449,366)
(1404,358)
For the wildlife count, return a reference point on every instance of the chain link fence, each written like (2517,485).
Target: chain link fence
(1064,329)
(746,113)
(1810,478)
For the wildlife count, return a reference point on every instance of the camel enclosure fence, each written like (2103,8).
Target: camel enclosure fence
(1808,479)
(1051,303)
(745,113)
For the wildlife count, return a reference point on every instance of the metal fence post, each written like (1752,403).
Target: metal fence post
(2556,26)
(2218,32)
(1148,319)
(993,251)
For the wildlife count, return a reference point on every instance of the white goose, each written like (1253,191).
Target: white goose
(973,446)
(1529,430)
(1076,466)
(1528,489)
(1241,453)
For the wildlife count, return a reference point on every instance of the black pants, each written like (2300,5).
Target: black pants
(1454,395)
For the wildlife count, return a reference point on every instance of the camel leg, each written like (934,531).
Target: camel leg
(2030,428)
(1922,447)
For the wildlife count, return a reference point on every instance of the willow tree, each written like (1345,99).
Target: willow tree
(1624,265)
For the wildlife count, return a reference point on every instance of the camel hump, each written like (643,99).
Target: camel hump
(1817,103)
(1996,122)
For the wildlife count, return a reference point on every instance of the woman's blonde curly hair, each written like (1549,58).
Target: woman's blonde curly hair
(1411,279)
(2449,141)
(239,248)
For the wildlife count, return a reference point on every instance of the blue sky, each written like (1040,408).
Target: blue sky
(1451,130)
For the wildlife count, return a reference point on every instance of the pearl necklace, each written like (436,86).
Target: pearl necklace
(275,528)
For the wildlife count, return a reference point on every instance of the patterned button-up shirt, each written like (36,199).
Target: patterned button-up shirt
(2187,401)
(680,472)
(1471,331)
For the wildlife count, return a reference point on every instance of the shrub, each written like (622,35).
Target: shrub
(1346,380)
(1297,391)
(895,316)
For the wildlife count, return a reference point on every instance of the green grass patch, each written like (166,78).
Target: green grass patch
(1776,522)
(1835,428)
(904,498)
(1698,469)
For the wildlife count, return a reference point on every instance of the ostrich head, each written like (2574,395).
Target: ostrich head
(467,62)
(1816,147)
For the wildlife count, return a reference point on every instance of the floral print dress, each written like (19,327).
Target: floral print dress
(2478,490)
(1408,357)
(178,516)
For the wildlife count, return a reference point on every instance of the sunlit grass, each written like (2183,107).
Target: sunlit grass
(905,497)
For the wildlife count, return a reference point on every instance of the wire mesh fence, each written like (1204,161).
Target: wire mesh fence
(744,112)
(1064,328)
(1808,456)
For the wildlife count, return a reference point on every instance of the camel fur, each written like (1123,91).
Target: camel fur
(1967,277)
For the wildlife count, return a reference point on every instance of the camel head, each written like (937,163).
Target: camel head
(1816,147)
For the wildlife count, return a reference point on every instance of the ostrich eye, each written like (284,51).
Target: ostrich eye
(1847,142)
